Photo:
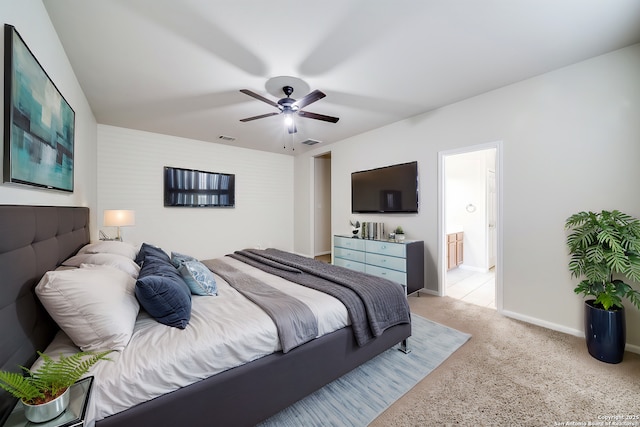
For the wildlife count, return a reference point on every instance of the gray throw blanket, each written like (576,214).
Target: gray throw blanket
(374,304)
(295,322)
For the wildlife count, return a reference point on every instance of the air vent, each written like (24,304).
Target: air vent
(226,138)
(310,142)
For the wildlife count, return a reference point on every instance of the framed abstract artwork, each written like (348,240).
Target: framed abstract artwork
(38,121)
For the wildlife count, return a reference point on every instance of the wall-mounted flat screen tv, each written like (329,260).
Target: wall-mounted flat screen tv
(390,189)
(194,188)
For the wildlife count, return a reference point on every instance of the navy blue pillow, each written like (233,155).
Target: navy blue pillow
(163,293)
(147,249)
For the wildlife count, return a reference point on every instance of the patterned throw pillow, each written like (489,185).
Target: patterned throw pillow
(198,277)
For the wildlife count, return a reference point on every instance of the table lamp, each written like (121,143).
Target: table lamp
(119,218)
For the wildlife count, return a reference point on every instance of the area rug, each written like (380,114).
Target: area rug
(358,397)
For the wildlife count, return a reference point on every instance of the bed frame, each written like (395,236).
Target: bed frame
(35,239)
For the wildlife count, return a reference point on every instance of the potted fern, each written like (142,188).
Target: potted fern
(604,249)
(45,391)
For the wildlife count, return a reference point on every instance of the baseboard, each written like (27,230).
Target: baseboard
(560,328)
(426,291)
(543,323)
(632,348)
(303,254)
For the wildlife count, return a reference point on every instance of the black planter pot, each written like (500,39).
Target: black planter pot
(605,332)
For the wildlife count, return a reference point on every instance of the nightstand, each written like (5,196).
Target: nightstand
(73,416)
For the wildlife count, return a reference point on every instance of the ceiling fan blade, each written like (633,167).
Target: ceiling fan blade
(260,97)
(312,97)
(317,116)
(262,116)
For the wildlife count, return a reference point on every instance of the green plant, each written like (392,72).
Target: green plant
(51,379)
(399,230)
(601,245)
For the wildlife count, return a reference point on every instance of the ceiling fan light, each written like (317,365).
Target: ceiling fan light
(288,120)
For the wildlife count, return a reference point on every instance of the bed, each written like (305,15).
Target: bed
(38,239)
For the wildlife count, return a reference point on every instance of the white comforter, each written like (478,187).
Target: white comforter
(225,331)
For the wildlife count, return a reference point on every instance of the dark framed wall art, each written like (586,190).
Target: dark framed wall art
(38,121)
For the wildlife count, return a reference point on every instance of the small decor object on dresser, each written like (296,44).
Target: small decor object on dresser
(372,230)
(399,234)
(355,228)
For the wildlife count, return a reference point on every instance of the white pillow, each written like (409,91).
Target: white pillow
(113,260)
(95,306)
(110,247)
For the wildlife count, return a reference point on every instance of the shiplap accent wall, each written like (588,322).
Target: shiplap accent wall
(130,176)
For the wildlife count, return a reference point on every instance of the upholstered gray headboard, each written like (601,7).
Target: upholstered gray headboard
(33,240)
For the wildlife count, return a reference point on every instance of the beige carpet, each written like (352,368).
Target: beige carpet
(514,374)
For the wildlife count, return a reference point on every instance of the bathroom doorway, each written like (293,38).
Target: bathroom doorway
(469,225)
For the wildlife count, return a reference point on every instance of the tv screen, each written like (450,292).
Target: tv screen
(194,188)
(391,189)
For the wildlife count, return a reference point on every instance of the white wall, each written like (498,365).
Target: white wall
(130,176)
(571,143)
(31,20)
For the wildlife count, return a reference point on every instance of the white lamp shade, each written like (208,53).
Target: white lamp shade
(119,218)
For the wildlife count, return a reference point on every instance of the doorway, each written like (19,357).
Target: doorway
(469,226)
(321,196)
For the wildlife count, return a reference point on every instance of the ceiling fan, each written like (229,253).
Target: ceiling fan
(290,107)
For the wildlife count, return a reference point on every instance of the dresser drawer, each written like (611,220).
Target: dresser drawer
(385,248)
(395,276)
(349,254)
(352,265)
(385,261)
(349,243)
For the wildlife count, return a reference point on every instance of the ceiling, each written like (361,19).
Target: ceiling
(176,67)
